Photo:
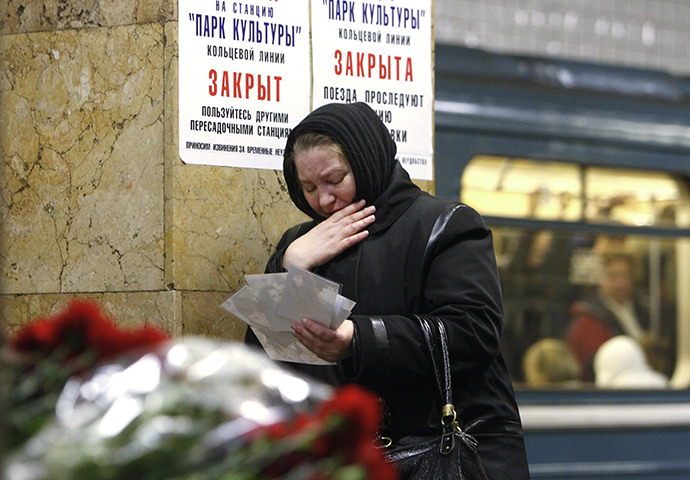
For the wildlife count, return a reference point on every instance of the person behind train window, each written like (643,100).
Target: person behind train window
(586,269)
(614,309)
(621,362)
(550,363)
(540,251)
(373,231)
(534,277)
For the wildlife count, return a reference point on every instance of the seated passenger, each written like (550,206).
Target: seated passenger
(614,309)
(621,363)
(550,363)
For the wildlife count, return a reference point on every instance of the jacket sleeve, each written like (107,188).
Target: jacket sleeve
(460,285)
(463,289)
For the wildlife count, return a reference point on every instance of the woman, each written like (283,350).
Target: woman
(370,231)
(614,309)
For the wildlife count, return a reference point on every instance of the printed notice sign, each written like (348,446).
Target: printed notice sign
(379,52)
(244,80)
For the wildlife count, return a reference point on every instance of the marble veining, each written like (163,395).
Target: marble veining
(26,16)
(82,160)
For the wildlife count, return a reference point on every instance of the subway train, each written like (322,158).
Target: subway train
(568,162)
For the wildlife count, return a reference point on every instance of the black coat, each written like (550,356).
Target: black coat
(386,275)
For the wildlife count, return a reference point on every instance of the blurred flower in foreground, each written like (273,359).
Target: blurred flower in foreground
(198,409)
(37,362)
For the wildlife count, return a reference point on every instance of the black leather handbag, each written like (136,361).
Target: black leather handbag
(453,453)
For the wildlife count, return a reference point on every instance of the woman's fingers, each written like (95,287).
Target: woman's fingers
(348,210)
(350,223)
(358,225)
(351,214)
(325,343)
(357,215)
(331,237)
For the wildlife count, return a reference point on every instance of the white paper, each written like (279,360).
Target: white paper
(284,347)
(268,289)
(307,295)
(270,303)
(343,307)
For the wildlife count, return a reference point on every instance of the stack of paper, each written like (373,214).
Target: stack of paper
(270,303)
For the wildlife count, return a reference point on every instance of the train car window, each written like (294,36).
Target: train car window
(630,197)
(516,187)
(587,304)
(513,187)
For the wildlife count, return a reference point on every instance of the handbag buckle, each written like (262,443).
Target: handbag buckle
(448,415)
(384,442)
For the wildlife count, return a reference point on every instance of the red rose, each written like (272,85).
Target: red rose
(37,335)
(82,327)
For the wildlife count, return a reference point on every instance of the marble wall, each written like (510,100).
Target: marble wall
(95,200)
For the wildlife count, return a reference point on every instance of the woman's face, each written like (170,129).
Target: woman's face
(326,178)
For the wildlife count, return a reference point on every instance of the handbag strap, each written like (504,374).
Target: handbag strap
(436,231)
(439,360)
(439,225)
(441,365)
(439,354)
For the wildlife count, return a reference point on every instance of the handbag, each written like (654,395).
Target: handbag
(452,455)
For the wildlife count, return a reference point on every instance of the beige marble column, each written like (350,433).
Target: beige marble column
(95,200)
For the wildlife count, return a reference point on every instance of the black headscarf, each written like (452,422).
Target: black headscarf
(366,143)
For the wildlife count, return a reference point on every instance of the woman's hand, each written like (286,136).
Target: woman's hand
(331,237)
(327,344)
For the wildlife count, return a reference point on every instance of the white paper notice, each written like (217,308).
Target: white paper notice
(243,80)
(379,52)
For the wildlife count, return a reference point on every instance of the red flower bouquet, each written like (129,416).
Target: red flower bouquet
(37,362)
(194,408)
(338,438)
